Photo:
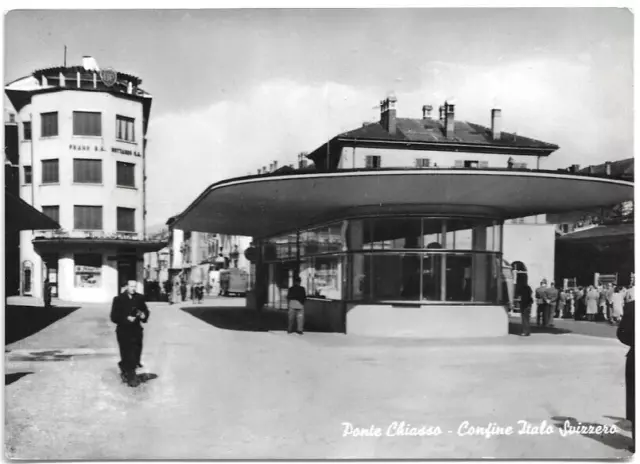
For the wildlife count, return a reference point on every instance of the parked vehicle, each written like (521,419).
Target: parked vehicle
(234,281)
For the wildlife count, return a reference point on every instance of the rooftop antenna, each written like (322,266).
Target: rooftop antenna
(65,56)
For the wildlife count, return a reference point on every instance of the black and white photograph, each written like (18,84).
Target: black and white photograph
(319,233)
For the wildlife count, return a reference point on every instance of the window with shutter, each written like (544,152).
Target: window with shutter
(52,211)
(423,162)
(87,123)
(87,171)
(50,173)
(373,161)
(126,220)
(49,124)
(87,217)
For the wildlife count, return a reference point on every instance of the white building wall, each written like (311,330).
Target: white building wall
(394,158)
(534,246)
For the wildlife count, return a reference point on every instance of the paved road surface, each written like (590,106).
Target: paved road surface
(250,393)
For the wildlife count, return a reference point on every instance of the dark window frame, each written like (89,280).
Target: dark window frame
(125,128)
(47,128)
(46,172)
(27,173)
(95,179)
(26,131)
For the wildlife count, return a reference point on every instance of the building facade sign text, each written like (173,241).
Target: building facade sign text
(96,148)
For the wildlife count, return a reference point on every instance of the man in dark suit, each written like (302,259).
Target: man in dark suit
(127,312)
(626,334)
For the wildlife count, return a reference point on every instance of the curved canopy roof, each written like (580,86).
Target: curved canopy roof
(260,206)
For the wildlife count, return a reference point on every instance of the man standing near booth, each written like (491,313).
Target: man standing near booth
(542,303)
(296,298)
(127,312)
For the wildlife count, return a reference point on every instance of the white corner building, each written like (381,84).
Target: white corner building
(82,155)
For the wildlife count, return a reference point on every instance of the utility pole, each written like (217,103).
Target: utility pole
(65,56)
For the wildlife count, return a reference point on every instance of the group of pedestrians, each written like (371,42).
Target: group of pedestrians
(592,303)
(182,291)
(605,302)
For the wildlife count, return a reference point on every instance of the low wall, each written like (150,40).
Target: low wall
(322,315)
(428,321)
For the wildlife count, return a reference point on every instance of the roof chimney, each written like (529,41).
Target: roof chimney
(496,123)
(388,114)
(89,63)
(449,119)
(275,165)
(426,111)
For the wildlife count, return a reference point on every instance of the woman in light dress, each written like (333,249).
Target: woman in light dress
(618,303)
(592,296)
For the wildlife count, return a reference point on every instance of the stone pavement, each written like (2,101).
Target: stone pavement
(245,394)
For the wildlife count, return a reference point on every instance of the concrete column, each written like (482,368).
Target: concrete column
(443,264)
(66,276)
(480,275)
(356,278)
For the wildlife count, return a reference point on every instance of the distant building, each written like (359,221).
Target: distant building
(598,240)
(11,185)
(82,156)
(444,142)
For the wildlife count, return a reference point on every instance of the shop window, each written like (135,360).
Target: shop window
(87,217)
(50,171)
(87,171)
(125,128)
(27,174)
(126,219)
(88,270)
(125,174)
(26,130)
(321,276)
(53,212)
(87,123)
(49,124)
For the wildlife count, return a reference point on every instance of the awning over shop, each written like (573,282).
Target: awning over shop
(609,233)
(260,206)
(20,215)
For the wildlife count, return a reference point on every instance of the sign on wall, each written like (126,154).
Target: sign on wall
(88,276)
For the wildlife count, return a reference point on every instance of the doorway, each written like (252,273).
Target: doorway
(126,270)
(51,272)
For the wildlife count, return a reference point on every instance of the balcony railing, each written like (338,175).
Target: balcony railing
(86,234)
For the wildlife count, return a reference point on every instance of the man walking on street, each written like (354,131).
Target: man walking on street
(127,312)
(296,298)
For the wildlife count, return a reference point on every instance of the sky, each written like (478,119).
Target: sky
(234,90)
